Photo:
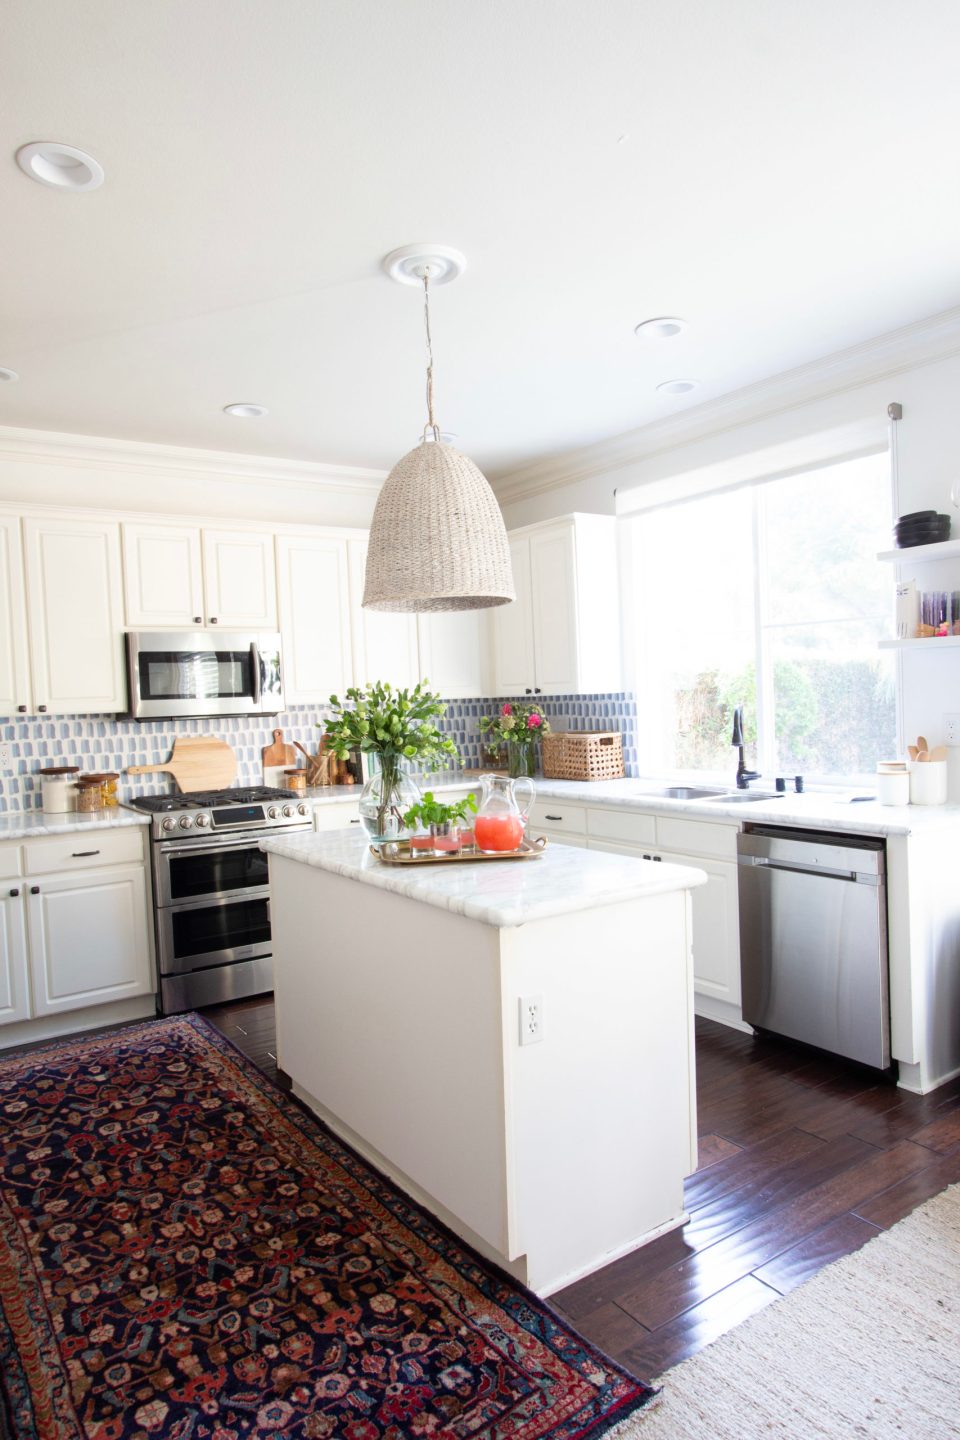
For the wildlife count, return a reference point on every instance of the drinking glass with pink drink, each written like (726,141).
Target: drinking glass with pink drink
(500,820)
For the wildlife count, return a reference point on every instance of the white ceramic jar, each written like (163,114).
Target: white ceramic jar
(893,786)
(58,788)
(928,782)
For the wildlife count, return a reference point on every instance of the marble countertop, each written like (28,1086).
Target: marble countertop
(562,881)
(822,810)
(26,824)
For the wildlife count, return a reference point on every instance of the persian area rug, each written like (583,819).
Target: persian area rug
(186,1253)
(867,1348)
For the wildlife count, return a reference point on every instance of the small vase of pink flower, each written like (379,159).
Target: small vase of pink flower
(518,727)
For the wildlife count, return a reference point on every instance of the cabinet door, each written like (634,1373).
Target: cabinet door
(384,644)
(239,579)
(455,652)
(14,666)
(14,982)
(553,582)
(88,939)
(314,594)
(162,576)
(513,671)
(75,605)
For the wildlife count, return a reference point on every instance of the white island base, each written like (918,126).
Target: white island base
(401,1004)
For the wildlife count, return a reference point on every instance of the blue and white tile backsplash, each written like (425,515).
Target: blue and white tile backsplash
(102,742)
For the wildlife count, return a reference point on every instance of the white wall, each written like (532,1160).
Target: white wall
(929,449)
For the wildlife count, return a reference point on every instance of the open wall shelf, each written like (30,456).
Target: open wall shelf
(933,642)
(945,550)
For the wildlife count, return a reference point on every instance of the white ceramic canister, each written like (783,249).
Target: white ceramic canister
(928,782)
(58,786)
(893,783)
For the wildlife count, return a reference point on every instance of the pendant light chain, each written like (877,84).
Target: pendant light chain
(431,422)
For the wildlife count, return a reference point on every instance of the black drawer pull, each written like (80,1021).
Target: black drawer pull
(34,889)
(354,822)
(14,893)
(79,854)
(553,817)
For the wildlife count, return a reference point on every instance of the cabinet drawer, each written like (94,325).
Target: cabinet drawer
(9,861)
(81,850)
(337,817)
(697,837)
(563,837)
(621,825)
(557,815)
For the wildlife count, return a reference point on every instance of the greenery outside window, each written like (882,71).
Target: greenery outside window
(769,596)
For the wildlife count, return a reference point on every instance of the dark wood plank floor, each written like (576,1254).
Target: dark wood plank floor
(802,1160)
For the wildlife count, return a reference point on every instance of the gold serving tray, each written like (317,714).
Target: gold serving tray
(401,854)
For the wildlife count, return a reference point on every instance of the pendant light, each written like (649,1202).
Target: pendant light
(437,541)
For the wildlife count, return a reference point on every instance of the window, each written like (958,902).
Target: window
(768,596)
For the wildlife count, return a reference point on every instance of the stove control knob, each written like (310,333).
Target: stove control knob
(185,822)
(287,812)
(273,813)
(301,809)
(168,823)
(203,821)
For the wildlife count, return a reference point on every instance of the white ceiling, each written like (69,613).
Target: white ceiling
(783,175)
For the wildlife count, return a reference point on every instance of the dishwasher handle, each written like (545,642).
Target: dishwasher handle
(854,876)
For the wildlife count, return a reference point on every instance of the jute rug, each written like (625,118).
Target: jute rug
(185,1254)
(870,1347)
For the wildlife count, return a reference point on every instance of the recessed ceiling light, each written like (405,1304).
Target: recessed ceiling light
(245,411)
(677,387)
(7,375)
(63,166)
(664,327)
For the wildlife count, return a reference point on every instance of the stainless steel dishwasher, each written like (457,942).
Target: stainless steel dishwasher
(813,939)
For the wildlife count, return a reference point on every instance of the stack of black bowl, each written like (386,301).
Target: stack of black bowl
(922,527)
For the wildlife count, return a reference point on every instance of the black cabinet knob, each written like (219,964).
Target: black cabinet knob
(14,893)
(536,689)
(213,619)
(528,691)
(198,619)
(41,709)
(22,709)
(34,889)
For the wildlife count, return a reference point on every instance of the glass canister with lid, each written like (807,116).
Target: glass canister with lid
(89,794)
(58,788)
(107,781)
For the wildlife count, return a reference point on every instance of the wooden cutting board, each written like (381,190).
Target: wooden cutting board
(278,753)
(198,762)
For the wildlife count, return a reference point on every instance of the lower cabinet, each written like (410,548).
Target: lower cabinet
(337,815)
(88,939)
(73,937)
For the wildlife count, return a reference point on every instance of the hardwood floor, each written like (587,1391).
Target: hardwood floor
(802,1160)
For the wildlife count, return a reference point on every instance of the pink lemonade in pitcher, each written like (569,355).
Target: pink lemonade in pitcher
(500,821)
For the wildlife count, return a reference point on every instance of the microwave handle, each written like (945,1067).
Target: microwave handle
(255,665)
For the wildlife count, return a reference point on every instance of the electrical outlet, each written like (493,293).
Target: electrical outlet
(6,759)
(531,1019)
(951,724)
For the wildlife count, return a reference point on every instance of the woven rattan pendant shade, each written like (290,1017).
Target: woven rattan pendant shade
(438,541)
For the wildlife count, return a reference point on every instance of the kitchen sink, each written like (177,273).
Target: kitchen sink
(683,792)
(744,797)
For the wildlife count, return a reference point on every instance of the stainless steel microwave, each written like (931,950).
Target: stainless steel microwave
(174,674)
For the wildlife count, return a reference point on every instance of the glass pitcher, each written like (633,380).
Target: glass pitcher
(502,815)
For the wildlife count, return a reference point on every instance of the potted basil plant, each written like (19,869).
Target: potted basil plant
(441,821)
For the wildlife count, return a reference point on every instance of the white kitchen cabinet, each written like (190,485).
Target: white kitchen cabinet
(163,576)
(240,579)
(88,938)
(75,605)
(337,814)
(384,644)
(562,634)
(14,662)
(314,589)
(14,973)
(454,651)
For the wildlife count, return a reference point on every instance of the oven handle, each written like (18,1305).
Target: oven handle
(255,667)
(171,849)
(217,900)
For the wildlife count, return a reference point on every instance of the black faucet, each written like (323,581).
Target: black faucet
(744,776)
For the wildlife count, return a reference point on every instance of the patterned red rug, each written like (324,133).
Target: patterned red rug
(184,1252)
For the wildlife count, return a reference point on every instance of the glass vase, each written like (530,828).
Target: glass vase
(520,759)
(385,799)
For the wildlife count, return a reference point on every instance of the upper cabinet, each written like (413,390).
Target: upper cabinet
(561,635)
(314,587)
(455,652)
(14,662)
(177,575)
(384,644)
(75,605)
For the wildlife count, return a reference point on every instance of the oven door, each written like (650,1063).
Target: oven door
(213,932)
(176,673)
(212,868)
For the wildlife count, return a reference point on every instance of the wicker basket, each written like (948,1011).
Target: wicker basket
(582,755)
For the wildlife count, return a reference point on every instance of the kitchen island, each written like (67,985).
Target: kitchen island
(511,1042)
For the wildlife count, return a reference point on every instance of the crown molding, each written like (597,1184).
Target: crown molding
(49,447)
(921,343)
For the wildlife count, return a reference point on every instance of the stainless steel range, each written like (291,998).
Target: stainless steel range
(211,891)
